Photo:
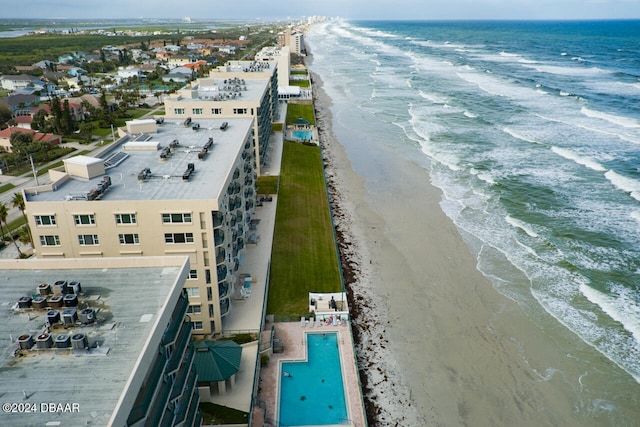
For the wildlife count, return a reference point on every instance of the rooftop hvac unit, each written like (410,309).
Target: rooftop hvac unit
(63,341)
(87,316)
(74,287)
(53,317)
(69,316)
(79,341)
(55,301)
(224,126)
(39,302)
(44,341)
(44,289)
(59,286)
(25,341)
(24,302)
(71,300)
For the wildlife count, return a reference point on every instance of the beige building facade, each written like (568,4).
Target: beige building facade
(187,189)
(235,90)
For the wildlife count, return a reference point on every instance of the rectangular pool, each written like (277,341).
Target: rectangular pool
(303,135)
(312,391)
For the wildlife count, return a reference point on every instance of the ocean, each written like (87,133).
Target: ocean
(532,132)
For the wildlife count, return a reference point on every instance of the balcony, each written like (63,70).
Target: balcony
(236,173)
(223,290)
(145,395)
(181,344)
(218,218)
(221,255)
(183,373)
(225,305)
(176,320)
(189,399)
(222,272)
(218,237)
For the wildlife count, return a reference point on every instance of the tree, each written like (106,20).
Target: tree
(18,202)
(4,214)
(39,121)
(5,114)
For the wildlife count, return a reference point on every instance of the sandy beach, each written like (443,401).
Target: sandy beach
(436,343)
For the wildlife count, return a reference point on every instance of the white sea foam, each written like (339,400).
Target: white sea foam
(567,71)
(581,160)
(625,184)
(626,122)
(621,305)
(470,115)
(635,215)
(521,225)
(519,136)
(436,99)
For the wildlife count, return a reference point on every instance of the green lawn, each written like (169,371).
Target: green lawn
(6,187)
(304,257)
(301,83)
(267,184)
(294,111)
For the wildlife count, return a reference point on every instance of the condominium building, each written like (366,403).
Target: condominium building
(101,342)
(282,56)
(171,187)
(240,89)
(293,39)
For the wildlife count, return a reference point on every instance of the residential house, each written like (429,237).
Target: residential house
(5,137)
(20,81)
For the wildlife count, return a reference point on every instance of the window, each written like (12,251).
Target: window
(43,220)
(128,239)
(239,111)
(197,110)
(195,309)
(178,111)
(126,218)
(193,274)
(88,239)
(176,218)
(197,325)
(53,240)
(84,219)
(193,292)
(178,237)
(216,111)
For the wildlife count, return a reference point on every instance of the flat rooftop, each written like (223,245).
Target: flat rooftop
(165,179)
(223,89)
(127,301)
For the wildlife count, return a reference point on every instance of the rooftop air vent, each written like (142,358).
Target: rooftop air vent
(24,302)
(53,317)
(224,126)
(71,300)
(69,316)
(44,341)
(39,302)
(63,341)
(25,341)
(79,341)
(55,301)
(87,316)
(44,289)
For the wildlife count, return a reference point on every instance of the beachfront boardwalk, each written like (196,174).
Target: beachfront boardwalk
(292,337)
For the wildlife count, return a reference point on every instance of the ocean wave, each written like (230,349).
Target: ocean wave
(470,115)
(567,71)
(625,184)
(621,304)
(519,136)
(626,122)
(581,160)
(521,225)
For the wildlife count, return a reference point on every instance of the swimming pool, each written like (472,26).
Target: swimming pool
(312,391)
(304,135)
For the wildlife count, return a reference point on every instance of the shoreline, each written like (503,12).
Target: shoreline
(436,343)
(374,379)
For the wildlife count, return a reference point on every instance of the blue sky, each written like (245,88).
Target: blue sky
(351,9)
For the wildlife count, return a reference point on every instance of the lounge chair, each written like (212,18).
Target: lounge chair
(312,322)
(303,322)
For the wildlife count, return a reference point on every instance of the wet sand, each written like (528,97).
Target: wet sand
(436,343)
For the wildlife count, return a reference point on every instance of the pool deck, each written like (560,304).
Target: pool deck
(292,336)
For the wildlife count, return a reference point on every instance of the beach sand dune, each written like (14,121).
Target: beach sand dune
(436,344)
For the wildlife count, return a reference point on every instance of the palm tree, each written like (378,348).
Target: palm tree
(4,214)
(18,202)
